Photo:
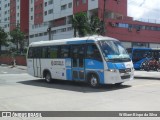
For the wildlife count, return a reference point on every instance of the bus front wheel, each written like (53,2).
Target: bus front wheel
(48,77)
(93,80)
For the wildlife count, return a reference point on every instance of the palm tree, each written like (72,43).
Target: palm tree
(80,24)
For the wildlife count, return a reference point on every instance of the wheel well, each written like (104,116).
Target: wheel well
(45,72)
(89,74)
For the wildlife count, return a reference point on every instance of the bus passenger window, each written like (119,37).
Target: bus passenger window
(54,51)
(30,53)
(44,52)
(65,52)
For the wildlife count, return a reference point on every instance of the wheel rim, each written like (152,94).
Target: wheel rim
(48,77)
(94,81)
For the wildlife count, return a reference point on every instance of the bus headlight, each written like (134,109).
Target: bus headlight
(111,70)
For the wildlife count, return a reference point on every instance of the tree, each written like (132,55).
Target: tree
(3,38)
(17,38)
(80,24)
(95,25)
(84,26)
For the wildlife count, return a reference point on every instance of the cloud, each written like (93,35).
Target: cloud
(144,9)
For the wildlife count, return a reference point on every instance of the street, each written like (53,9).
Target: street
(22,92)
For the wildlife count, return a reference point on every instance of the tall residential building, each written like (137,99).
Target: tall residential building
(5,14)
(57,15)
(54,14)
(37,17)
(14,13)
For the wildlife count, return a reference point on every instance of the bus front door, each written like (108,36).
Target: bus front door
(78,55)
(37,63)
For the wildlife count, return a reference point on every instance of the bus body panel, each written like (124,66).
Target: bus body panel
(96,66)
(30,68)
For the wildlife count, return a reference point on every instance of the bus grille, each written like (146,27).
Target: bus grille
(125,70)
(125,77)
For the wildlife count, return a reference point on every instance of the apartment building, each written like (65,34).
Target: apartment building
(14,13)
(39,17)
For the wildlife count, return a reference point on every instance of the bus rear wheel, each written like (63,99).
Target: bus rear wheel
(93,80)
(48,77)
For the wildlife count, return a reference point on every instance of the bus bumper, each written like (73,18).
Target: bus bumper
(118,76)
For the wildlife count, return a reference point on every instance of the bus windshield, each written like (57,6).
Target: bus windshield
(113,51)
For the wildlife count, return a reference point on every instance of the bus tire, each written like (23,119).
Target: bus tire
(93,80)
(48,77)
(118,84)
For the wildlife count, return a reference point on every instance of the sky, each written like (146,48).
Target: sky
(144,10)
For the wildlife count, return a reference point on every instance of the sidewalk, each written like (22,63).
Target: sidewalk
(145,74)
(21,67)
(16,66)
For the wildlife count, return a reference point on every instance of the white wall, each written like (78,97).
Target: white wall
(92,4)
(154,45)
(127,44)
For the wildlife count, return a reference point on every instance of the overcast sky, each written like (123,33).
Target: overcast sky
(144,9)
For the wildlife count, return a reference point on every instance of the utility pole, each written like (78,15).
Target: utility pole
(49,32)
(104,12)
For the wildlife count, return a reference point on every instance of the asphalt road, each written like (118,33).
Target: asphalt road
(22,92)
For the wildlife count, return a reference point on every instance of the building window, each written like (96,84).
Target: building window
(17,14)
(31,17)
(50,2)
(122,25)
(45,13)
(31,9)
(69,5)
(50,11)
(63,7)
(77,2)
(84,1)
(45,3)
(69,28)
(63,30)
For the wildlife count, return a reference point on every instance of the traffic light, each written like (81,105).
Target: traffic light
(49,29)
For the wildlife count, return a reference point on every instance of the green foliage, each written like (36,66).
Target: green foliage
(95,25)
(17,38)
(85,26)
(3,38)
(80,24)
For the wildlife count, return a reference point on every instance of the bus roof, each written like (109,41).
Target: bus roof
(77,40)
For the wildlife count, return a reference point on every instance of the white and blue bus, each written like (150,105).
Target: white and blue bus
(140,55)
(95,59)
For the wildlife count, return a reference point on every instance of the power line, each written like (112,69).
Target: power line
(141,5)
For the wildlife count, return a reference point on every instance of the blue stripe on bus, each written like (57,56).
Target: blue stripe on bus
(115,65)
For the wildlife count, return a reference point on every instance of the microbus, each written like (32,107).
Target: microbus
(94,59)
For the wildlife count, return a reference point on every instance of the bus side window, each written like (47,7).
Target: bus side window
(30,53)
(38,52)
(93,52)
(44,52)
(65,51)
(54,51)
